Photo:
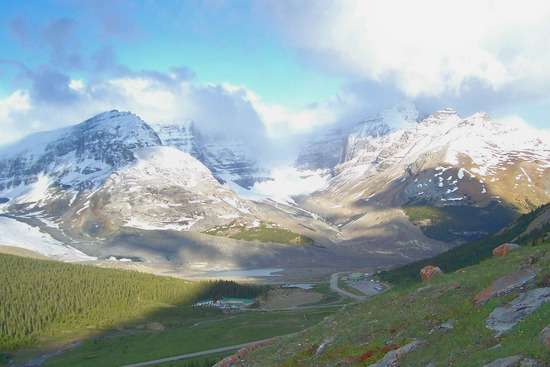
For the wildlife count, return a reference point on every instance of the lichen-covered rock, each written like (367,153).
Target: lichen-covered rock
(430,271)
(513,361)
(504,249)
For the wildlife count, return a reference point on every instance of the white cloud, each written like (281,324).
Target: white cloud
(287,182)
(428,47)
(280,120)
(16,102)
(77,85)
(217,109)
(10,107)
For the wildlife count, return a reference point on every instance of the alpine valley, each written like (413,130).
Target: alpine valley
(115,190)
(276,183)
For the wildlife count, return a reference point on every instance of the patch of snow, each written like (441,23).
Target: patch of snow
(18,234)
(526,175)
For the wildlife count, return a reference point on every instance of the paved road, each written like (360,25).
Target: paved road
(194,355)
(335,288)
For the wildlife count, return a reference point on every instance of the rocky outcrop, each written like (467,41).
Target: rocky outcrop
(324,345)
(427,273)
(228,159)
(504,318)
(444,327)
(514,361)
(505,249)
(505,285)
(391,359)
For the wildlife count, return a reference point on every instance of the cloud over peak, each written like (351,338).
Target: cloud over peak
(426,48)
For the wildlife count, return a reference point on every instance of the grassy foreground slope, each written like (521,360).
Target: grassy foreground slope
(197,332)
(364,333)
(46,299)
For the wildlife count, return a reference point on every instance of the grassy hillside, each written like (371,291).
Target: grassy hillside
(473,252)
(363,333)
(263,232)
(193,333)
(44,299)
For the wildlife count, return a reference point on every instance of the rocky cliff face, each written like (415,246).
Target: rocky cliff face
(77,157)
(227,158)
(323,150)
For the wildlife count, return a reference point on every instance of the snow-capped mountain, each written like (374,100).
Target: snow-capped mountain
(164,188)
(443,160)
(115,172)
(111,171)
(474,147)
(327,149)
(77,157)
(323,150)
(227,157)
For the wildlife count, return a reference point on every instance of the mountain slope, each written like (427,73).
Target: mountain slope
(166,188)
(107,172)
(46,172)
(443,161)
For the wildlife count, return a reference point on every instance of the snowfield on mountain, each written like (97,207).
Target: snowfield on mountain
(392,188)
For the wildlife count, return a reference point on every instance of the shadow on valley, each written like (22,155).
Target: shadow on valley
(177,248)
(445,214)
(120,317)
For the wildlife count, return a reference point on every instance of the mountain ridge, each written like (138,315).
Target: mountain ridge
(116,172)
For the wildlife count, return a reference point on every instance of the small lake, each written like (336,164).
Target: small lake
(299,285)
(246,273)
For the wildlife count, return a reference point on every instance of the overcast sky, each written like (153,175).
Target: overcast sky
(270,67)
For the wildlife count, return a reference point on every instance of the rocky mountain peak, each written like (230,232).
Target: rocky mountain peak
(442,116)
(373,127)
(229,159)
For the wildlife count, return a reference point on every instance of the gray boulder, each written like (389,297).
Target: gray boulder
(504,318)
(391,359)
(513,361)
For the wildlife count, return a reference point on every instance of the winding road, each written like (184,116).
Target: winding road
(334,286)
(194,355)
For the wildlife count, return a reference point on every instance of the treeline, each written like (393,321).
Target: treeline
(473,252)
(39,296)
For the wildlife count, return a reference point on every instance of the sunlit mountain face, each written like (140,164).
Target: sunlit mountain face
(328,151)
(327,121)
